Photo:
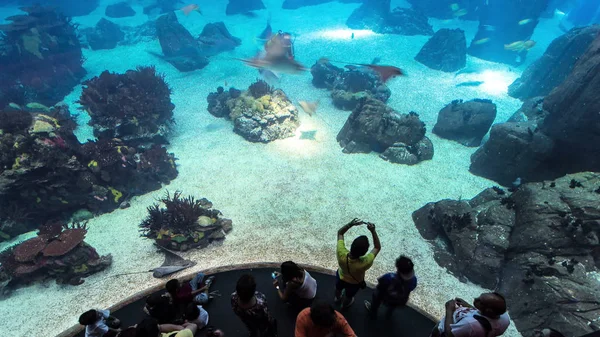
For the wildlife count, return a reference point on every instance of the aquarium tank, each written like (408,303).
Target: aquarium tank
(438,157)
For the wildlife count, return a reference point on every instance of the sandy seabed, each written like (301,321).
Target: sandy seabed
(288,198)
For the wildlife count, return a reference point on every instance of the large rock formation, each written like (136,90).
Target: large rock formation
(215,38)
(105,35)
(373,126)
(501,38)
(178,46)
(538,246)
(119,10)
(243,6)
(555,65)
(67,7)
(446,50)
(466,122)
(376,16)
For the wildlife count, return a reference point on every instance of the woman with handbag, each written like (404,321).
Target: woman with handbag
(353,264)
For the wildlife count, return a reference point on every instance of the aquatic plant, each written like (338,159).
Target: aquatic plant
(259,89)
(130,106)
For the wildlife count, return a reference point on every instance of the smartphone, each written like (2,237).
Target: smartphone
(273,275)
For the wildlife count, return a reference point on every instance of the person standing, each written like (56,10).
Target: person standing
(353,264)
(251,307)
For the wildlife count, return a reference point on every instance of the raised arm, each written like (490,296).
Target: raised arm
(346,227)
(376,242)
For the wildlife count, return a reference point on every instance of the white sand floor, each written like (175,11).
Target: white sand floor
(287,198)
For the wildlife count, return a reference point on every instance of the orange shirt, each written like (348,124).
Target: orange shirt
(306,328)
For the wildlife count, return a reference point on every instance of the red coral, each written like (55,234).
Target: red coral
(25,269)
(67,240)
(28,250)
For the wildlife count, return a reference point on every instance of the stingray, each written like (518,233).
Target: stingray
(173,263)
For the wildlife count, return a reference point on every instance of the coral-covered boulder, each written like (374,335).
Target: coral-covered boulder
(58,252)
(41,59)
(446,50)
(295,4)
(465,122)
(555,65)
(106,35)
(537,246)
(184,223)
(132,106)
(356,84)
(324,74)
(259,114)
(215,38)
(119,10)
(179,46)
(376,16)
(531,110)
(243,6)
(373,126)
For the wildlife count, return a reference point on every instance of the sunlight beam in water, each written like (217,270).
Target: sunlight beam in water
(495,82)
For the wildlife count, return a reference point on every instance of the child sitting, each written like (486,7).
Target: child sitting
(197,315)
(99,323)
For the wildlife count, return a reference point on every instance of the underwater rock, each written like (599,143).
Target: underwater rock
(41,57)
(119,10)
(260,114)
(184,223)
(446,50)
(295,4)
(143,33)
(535,246)
(373,126)
(58,251)
(106,35)
(505,38)
(67,7)
(442,9)
(159,7)
(514,150)
(555,65)
(465,122)
(215,38)
(135,106)
(354,85)
(531,110)
(243,6)
(324,74)
(178,46)
(376,16)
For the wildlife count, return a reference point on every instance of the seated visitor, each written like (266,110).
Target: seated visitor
(393,289)
(295,285)
(149,327)
(251,307)
(321,320)
(160,306)
(197,315)
(99,323)
(353,264)
(183,293)
(487,317)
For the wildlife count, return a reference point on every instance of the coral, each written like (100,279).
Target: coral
(15,121)
(31,42)
(65,242)
(28,250)
(133,105)
(117,195)
(259,89)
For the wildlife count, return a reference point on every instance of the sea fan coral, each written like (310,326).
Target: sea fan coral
(259,89)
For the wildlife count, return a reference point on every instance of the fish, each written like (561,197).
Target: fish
(460,12)
(190,8)
(489,28)
(352,36)
(268,75)
(385,72)
(470,84)
(525,21)
(267,32)
(520,46)
(249,14)
(454,7)
(376,60)
(481,41)
(225,84)
(282,65)
(309,107)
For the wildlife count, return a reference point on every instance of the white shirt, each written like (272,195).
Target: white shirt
(308,289)
(465,325)
(202,319)
(99,328)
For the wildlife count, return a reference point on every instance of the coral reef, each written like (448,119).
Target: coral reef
(465,122)
(538,246)
(135,106)
(40,57)
(373,126)
(184,223)
(446,50)
(259,114)
(324,74)
(58,251)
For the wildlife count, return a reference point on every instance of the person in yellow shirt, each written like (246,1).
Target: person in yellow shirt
(353,264)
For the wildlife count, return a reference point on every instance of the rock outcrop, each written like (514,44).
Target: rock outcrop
(465,122)
(105,35)
(376,16)
(243,6)
(446,50)
(215,38)
(119,10)
(555,65)
(538,246)
(178,46)
(373,126)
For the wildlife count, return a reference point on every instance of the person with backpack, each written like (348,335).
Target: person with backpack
(393,289)
(487,317)
(353,264)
